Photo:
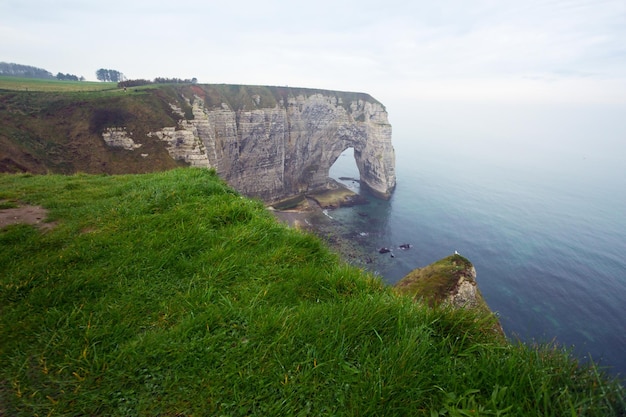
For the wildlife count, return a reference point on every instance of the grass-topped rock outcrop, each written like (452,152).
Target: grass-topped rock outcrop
(170,294)
(451,280)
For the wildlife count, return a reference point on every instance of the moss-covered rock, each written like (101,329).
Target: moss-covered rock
(451,281)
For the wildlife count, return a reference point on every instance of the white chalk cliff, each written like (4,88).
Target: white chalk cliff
(288,148)
(279,142)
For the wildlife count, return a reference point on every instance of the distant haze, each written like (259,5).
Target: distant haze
(446,50)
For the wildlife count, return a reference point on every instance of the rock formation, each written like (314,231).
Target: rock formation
(119,138)
(267,142)
(279,142)
(449,281)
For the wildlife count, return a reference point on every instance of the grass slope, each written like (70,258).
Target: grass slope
(60,131)
(169,294)
(34,84)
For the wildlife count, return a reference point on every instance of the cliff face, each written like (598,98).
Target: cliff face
(288,148)
(266,142)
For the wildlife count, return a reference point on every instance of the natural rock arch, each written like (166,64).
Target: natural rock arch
(275,143)
(322,130)
(345,166)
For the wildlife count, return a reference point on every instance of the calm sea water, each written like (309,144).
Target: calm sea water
(545,228)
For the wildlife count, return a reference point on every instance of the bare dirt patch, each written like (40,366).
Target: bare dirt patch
(34,215)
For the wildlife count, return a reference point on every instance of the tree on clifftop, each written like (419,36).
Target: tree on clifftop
(27,71)
(109,75)
(69,77)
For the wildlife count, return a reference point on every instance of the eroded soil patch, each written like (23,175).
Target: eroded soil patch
(34,215)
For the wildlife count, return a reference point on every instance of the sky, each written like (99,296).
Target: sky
(528,51)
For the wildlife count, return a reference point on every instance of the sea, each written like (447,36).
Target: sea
(537,202)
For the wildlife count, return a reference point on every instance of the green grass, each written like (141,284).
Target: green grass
(169,294)
(237,96)
(34,84)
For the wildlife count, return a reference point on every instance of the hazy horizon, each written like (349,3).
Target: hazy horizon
(455,51)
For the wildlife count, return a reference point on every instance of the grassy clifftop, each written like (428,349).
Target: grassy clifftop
(169,294)
(49,126)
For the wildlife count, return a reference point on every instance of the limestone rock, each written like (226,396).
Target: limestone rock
(451,280)
(184,143)
(465,293)
(288,147)
(118,137)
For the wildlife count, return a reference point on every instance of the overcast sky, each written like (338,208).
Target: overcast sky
(533,50)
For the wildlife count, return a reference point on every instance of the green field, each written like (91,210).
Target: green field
(169,294)
(33,84)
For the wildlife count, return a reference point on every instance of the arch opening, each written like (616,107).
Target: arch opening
(345,171)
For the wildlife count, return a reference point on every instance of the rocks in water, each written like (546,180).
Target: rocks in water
(404,246)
